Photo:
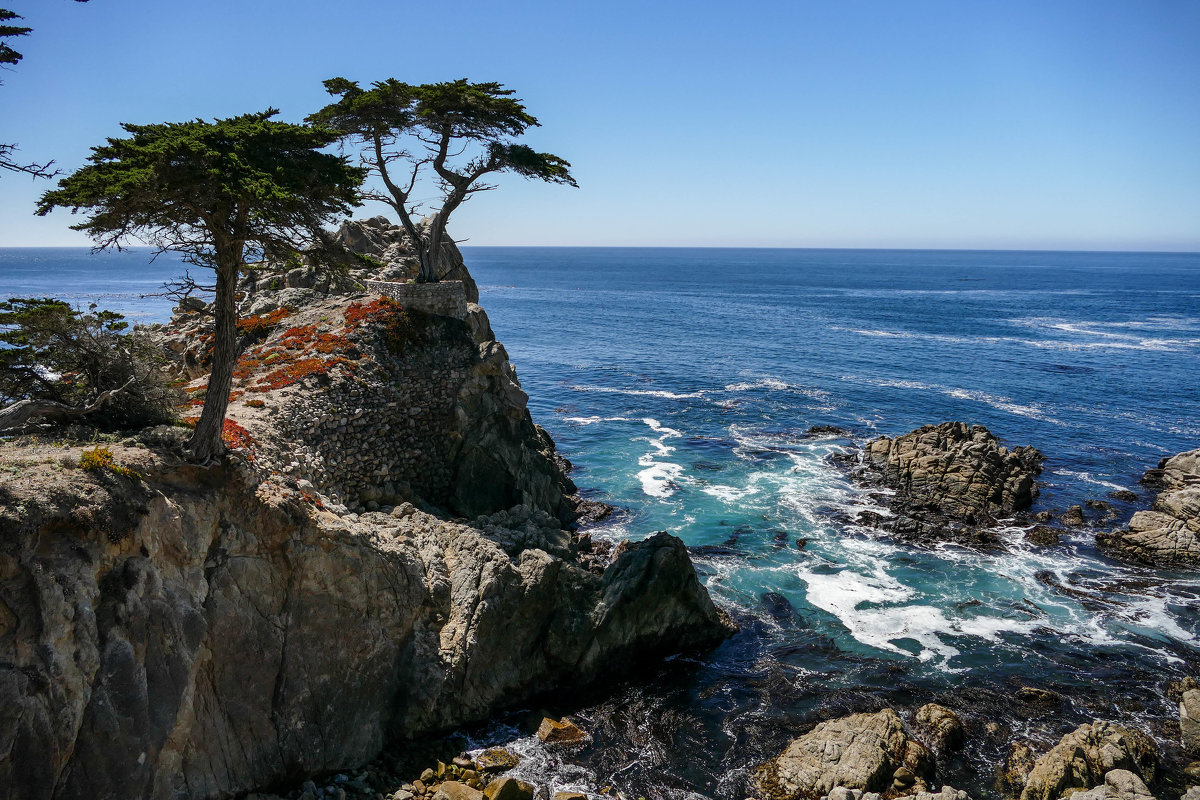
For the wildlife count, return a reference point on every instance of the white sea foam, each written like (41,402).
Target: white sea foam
(998,402)
(1087,477)
(662,393)
(764,383)
(594,420)
(659,478)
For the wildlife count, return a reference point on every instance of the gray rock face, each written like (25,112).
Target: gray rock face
(217,634)
(870,752)
(1084,757)
(1169,533)
(389,243)
(952,479)
(1189,721)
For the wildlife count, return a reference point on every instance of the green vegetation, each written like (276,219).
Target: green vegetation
(430,127)
(222,194)
(100,458)
(58,364)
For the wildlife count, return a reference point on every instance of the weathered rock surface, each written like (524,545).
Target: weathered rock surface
(946,793)
(198,633)
(871,752)
(1083,758)
(379,238)
(1169,533)
(940,726)
(1189,721)
(951,480)
(1119,784)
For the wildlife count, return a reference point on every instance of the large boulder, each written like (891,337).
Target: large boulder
(871,752)
(1083,758)
(952,480)
(1119,784)
(1169,533)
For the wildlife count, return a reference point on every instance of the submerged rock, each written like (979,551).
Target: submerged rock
(952,480)
(871,752)
(1083,758)
(1169,533)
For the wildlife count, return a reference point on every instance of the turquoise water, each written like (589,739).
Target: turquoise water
(682,382)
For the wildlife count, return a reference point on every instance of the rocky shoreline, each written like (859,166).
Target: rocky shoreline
(392,550)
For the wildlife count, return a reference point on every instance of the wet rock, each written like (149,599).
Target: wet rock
(560,732)
(1042,536)
(1169,533)
(1176,689)
(455,790)
(1083,757)
(952,480)
(497,759)
(862,751)
(1124,495)
(508,789)
(1189,721)
(941,726)
(1038,697)
(570,796)
(1073,517)
(1018,763)
(427,775)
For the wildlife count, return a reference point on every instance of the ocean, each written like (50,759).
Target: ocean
(682,384)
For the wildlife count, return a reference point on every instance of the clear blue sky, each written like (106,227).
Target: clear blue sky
(846,123)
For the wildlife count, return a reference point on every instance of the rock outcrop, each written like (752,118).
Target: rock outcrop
(1169,533)
(869,752)
(940,726)
(1084,758)
(1189,721)
(952,480)
(195,633)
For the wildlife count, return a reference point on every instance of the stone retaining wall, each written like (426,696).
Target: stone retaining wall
(445,298)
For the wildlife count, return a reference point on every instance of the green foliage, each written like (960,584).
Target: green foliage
(221,193)
(7,54)
(194,187)
(456,131)
(50,351)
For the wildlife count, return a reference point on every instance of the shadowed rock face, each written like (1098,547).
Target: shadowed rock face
(224,634)
(952,480)
(1169,533)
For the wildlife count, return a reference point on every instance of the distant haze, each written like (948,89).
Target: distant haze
(923,124)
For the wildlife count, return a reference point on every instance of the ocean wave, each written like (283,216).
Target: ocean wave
(1087,477)
(998,402)
(662,393)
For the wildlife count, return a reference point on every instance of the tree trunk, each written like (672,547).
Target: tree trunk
(430,245)
(206,442)
(26,412)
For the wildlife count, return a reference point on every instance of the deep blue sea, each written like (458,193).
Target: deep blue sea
(681,384)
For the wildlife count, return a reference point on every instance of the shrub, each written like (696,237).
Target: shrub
(101,458)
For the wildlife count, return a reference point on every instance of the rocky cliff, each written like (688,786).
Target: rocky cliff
(171,631)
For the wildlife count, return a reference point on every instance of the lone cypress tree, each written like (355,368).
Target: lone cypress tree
(220,193)
(460,131)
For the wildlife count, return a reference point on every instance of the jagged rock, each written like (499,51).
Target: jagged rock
(941,725)
(560,732)
(1124,495)
(1083,757)
(390,245)
(1169,533)
(1018,763)
(581,796)
(202,633)
(1189,721)
(1042,536)
(862,751)
(1119,784)
(950,480)
(1073,517)
(497,759)
(508,789)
